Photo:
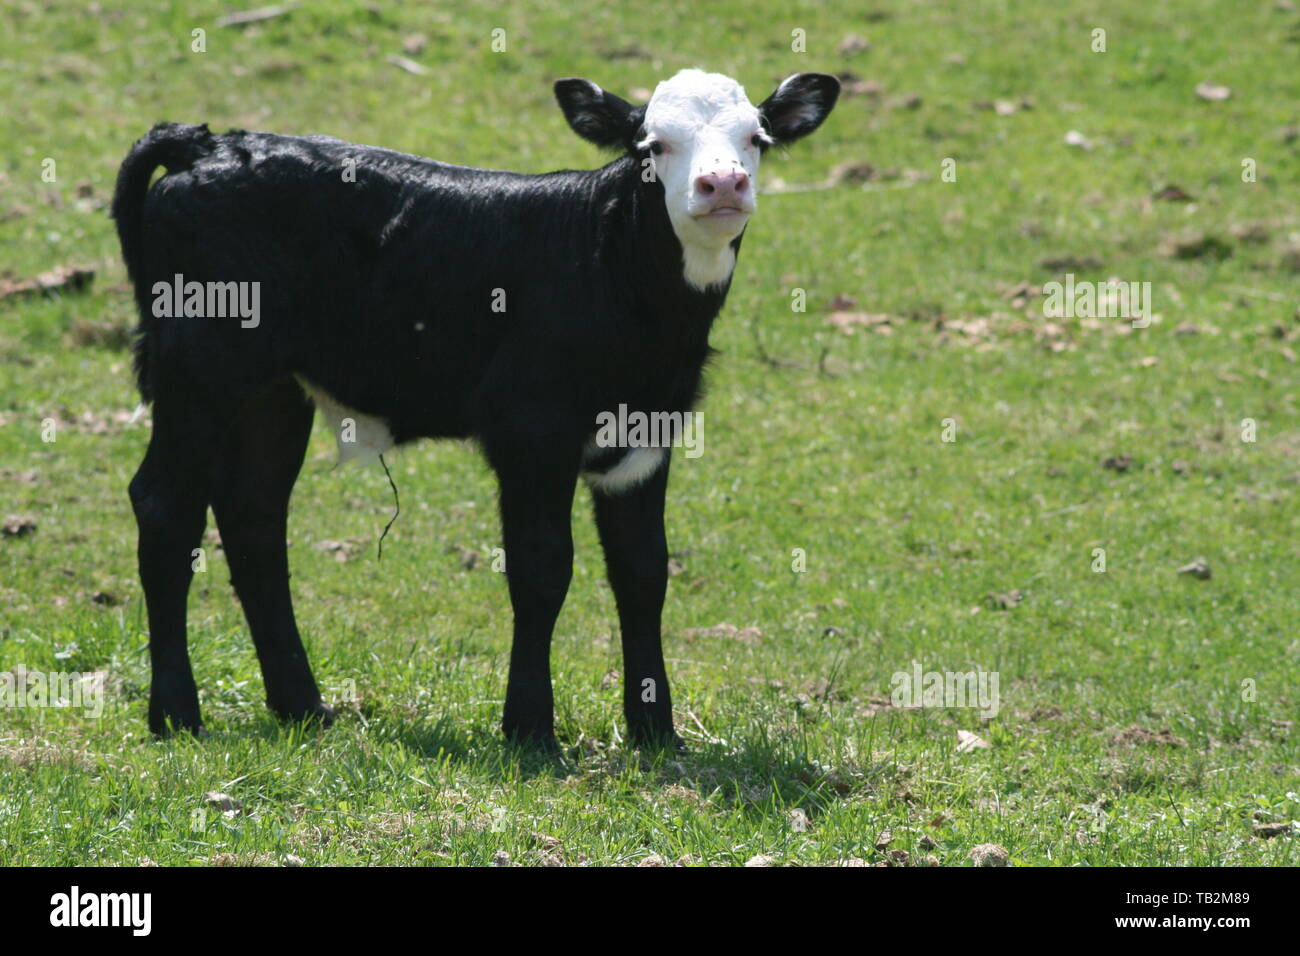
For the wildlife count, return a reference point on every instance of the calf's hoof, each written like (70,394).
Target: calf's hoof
(164,727)
(534,741)
(657,742)
(167,721)
(319,713)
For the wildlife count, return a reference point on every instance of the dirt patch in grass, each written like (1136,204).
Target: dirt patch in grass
(1137,736)
(29,754)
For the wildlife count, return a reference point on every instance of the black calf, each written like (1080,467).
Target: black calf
(409,298)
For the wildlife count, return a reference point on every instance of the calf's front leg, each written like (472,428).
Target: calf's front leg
(536,502)
(631,527)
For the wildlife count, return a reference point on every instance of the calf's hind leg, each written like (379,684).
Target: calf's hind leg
(169,497)
(252,481)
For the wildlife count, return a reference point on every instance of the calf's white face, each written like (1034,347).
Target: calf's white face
(703,139)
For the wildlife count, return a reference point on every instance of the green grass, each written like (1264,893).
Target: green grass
(835,449)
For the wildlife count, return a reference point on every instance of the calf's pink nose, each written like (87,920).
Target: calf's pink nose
(722,188)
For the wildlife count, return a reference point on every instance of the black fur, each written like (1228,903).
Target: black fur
(380,292)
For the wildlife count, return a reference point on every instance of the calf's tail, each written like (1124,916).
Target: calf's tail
(177,147)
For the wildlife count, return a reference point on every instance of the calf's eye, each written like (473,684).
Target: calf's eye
(756,140)
(657,148)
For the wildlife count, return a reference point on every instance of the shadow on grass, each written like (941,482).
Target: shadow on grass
(766,777)
(759,774)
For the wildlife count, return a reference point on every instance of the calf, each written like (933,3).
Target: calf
(407,298)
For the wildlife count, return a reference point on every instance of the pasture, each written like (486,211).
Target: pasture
(918,466)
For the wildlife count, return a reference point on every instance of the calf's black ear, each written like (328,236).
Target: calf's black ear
(597,116)
(798,106)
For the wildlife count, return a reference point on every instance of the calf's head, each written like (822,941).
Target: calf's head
(701,139)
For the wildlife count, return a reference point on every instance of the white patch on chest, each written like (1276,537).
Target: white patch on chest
(704,266)
(636,467)
(360,437)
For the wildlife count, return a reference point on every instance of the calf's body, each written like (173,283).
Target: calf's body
(414,299)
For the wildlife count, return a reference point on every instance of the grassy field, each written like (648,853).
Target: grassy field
(1147,716)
